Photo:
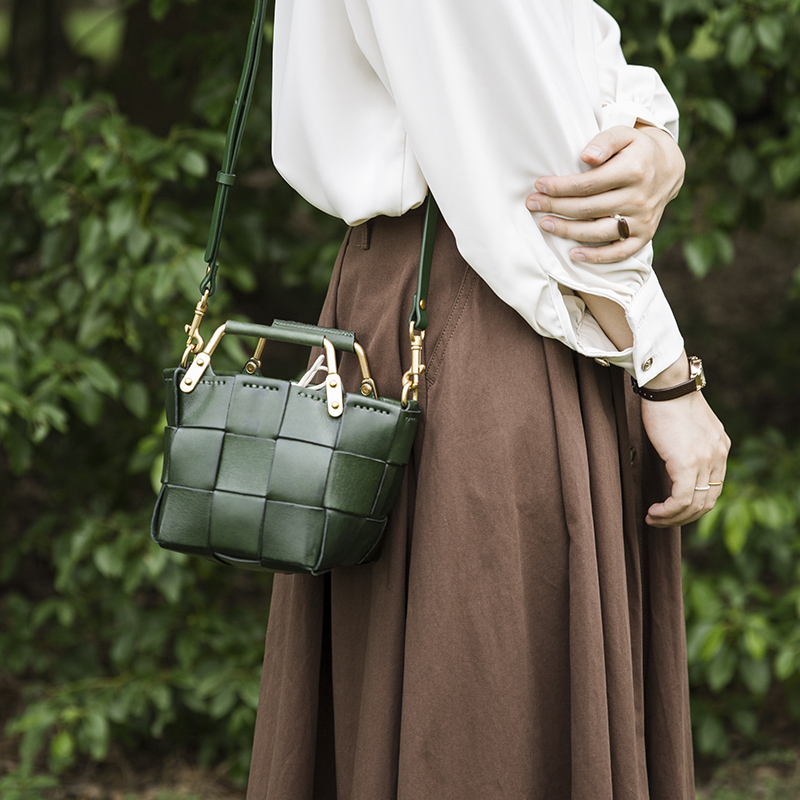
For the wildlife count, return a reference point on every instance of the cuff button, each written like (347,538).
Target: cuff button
(647,364)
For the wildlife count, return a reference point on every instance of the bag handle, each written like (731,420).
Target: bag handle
(418,319)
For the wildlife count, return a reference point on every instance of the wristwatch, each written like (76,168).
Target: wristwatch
(696,382)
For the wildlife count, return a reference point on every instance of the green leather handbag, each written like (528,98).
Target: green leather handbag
(266,473)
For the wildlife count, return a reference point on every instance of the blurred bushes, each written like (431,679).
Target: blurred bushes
(102,227)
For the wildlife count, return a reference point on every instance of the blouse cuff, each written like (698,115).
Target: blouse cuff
(628,113)
(657,340)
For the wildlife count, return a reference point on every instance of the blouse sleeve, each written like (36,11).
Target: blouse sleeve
(629,93)
(491,96)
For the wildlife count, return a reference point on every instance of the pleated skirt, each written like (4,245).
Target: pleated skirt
(522,633)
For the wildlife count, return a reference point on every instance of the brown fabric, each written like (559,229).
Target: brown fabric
(522,634)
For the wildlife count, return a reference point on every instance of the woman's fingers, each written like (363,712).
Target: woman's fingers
(694,447)
(683,506)
(636,172)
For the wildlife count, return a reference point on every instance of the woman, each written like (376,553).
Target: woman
(521,635)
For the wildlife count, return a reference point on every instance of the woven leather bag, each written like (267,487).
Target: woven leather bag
(266,473)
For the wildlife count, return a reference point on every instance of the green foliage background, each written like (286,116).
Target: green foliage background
(107,142)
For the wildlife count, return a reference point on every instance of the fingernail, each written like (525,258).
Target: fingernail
(534,205)
(540,187)
(547,225)
(576,255)
(593,151)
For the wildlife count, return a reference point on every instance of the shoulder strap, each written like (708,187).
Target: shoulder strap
(226,178)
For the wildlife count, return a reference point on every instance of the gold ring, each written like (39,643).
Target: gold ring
(623,228)
(702,488)
(715,483)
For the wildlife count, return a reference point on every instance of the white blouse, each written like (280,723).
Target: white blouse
(376,100)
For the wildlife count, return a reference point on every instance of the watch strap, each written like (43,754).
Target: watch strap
(696,382)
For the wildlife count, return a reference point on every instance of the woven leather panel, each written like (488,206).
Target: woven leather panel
(257,472)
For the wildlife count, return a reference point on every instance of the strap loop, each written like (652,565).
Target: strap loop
(226,178)
(419,311)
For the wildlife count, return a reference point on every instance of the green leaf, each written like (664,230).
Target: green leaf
(770,33)
(786,663)
(62,751)
(193,162)
(700,255)
(756,675)
(222,703)
(136,399)
(738,521)
(76,114)
(161,696)
(55,210)
(108,562)
(721,669)
(717,113)
(10,143)
(711,737)
(101,377)
(741,45)
(97,731)
(51,157)
(756,644)
(92,238)
(121,218)
(704,46)
(138,242)
(713,643)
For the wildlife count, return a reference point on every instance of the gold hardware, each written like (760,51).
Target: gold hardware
(253,364)
(367,383)
(201,361)
(333,386)
(194,341)
(423,304)
(411,378)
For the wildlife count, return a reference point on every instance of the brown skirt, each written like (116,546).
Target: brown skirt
(521,635)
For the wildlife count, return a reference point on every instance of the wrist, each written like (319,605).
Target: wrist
(676,373)
(656,390)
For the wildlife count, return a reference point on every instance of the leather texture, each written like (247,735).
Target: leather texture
(258,474)
(294,333)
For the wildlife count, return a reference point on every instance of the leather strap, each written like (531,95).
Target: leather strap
(233,141)
(696,383)
(226,178)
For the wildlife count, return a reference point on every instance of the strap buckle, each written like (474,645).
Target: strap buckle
(194,341)
(411,377)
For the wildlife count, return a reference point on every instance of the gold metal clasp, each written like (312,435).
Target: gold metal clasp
(412,376)
(201,361)
(253,364)
(367,383)
(194,341)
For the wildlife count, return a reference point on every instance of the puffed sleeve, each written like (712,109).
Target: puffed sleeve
(488,97)
(629,93)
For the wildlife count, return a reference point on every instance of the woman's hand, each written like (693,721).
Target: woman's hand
(694,446)
(637,171)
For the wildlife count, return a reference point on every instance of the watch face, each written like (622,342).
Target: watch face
(696,372)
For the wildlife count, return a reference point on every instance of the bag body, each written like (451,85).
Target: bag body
(257,473)
(265,473)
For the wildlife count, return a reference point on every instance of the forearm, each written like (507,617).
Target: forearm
(611,318)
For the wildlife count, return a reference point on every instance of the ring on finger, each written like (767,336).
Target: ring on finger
(702,488)
(623,228)
(715,483)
